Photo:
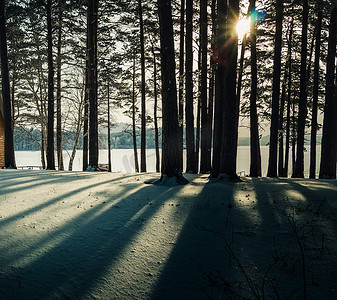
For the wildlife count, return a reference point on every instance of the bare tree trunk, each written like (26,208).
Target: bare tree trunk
(170,155)
(50,134)
(293,136)
(289,83)
(156,130)
(272,163)
(281,127)
(315,95)
(329,137)
(86,117)
(58,90)
(205,159)
(143,111)
(220,88)
(134,135)
(181,83)
(211,89)
(230,118)
(7,111)
(109,138)
(302,112)
(92,83)
(190,143)
(255,153)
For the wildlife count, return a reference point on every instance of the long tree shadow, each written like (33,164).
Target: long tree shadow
(43,205)
(41,178)
(72,259)
(196,251)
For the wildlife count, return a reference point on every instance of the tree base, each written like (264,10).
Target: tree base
(168,181)
(225,178)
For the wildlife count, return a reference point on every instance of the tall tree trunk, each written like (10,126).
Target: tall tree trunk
(78,133)
(205,159)
(143,112)
(293,137)
(170,136)
(219,57)
(255,153)
(190,145)
(272,163)
(86,112)
(58,89)
(181,83)
(109,138)
(329,137)
(85,126)
(197,136)
(289,83)
(302,112)
(315,95)
(156,130)
(43,146)
(50,134)
(134,134)
(7,111)
(281,126)
(92,83)
(211,89)
(230,119)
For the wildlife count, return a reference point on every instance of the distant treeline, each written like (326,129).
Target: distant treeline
(29,139)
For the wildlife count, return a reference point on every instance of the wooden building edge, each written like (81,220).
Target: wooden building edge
(2,136)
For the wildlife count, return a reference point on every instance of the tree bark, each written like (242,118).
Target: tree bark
(7,111)
(255,154)
(109,138)
(134,134)
(92,83)
(143,111)
(272,163)
(313,139)
(86,109)
(220,87)
(211,88)
(205,158)
(155,117)
(190,144)
(228,152)
(170,136)
(181,83)
(289,92)
(302,112)
(50,133)
(329,137)
(58,90)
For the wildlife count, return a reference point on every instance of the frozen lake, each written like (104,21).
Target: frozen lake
(122,160)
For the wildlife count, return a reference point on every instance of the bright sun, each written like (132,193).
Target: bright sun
(243,27)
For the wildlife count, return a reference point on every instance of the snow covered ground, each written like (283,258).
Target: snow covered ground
(81,235)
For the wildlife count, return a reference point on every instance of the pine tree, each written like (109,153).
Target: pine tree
(190,143)
(7,110)
(302,113)
(329,137)
(170,135)
(50,135)
(92,82)
(272,163)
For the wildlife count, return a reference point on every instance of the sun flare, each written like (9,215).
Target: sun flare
(243,27)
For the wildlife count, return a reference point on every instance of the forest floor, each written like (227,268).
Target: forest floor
(81,235)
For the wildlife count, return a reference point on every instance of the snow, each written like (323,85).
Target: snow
(87,235)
